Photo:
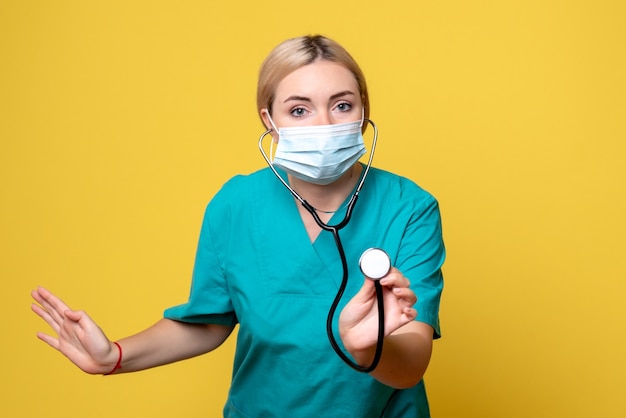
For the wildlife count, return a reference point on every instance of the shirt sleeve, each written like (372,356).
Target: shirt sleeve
(209,299)
(421,257)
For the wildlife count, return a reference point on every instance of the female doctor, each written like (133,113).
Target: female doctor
(266,264)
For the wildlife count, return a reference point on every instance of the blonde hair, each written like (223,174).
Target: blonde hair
(298,52)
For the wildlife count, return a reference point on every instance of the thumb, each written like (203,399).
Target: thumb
(365,293)
(75,316)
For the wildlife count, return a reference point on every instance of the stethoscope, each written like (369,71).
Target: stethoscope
(374,262)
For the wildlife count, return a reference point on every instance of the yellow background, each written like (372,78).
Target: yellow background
(119,120)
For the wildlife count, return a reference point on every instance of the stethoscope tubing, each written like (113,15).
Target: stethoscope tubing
(334,229)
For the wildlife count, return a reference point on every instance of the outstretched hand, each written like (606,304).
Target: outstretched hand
(358,322)
(78,338)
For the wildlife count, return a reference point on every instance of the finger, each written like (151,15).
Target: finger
(38,298)
(43,314)
(76,325)
(405,294)
(54,301)
(395,279)
(75,316)
(50,303)
(409,314)
(51,341)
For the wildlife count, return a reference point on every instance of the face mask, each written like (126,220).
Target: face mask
(319,154)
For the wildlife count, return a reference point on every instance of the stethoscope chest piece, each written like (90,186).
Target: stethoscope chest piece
(375,263)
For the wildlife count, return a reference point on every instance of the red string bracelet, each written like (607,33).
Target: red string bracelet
(118,365)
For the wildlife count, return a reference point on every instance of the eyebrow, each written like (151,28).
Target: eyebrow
(306,99)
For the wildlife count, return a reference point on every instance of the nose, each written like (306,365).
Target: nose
(323,118)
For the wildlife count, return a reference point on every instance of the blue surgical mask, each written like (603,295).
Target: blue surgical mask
(319,154)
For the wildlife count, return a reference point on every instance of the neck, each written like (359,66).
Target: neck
(328,198)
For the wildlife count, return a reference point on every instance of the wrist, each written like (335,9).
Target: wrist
(118,363)
(363,356)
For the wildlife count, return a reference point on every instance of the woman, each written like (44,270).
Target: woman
(263,262)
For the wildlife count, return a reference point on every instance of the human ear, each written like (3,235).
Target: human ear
(265,116)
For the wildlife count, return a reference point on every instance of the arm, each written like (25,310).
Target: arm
(168,341)
(408,343)
(81,340)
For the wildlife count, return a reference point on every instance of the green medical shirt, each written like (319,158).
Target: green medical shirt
(256,267)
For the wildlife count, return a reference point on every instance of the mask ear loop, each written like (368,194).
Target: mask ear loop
(271,166)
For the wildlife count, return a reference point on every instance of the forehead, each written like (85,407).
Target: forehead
(317,80)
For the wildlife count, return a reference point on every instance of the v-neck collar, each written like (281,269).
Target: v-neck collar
(337,217)
(323,247)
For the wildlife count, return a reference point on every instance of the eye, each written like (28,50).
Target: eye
(344,107)
(298,112)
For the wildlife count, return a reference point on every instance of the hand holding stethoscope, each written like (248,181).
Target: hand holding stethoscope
(358,321)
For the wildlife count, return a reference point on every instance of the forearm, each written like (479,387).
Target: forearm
(168,341)
(405,357)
